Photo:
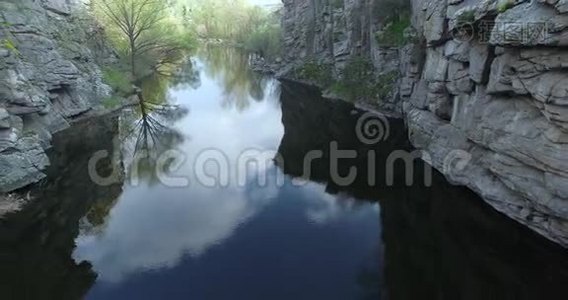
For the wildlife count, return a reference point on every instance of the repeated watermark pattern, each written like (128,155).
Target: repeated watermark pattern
(486,31)
(213,168)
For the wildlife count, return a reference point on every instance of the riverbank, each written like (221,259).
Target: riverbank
(325,239)
(50,77)
(57,69)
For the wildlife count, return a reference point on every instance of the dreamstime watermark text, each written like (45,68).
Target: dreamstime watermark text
(214,168)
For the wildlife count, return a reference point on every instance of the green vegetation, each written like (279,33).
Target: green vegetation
(357,80)
(111,102)
(505,5)
(10,45)
(393,33)
(385,84)
(394,15)
(238,23)
(231,69)
(265,41)
(118,80)
(319,73)
(7,41)
(145,32)
(466,17)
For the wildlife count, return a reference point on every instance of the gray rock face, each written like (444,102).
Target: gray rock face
(48,78)
(58,6)
(332,32)
(488,101)
(22,165)
(4,119)
(509,106)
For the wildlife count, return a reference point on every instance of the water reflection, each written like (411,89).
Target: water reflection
(156,87)
(318,241)
(146,133)
(185,222)
(36,243)
(440,242)
(232,72)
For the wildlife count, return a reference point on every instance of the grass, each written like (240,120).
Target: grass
(118,80)
(393,33)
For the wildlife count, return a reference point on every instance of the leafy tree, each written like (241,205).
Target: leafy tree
(236,22)
(134,18)
(145,31)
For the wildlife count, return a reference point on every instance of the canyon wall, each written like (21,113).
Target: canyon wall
(483,90)
(50,53)
(333,31)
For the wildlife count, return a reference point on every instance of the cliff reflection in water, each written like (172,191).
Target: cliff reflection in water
(36,244)
(440,242)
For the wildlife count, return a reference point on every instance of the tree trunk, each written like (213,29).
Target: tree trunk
(133,59)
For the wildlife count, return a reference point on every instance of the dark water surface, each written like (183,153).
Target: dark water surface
(136,238)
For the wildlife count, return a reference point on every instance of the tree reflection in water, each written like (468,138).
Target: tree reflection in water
(232,70)
(147,133)
(36,244)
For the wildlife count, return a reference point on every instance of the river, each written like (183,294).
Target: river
(202,192)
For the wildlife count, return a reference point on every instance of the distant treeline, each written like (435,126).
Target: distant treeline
(153,35)
(235,21)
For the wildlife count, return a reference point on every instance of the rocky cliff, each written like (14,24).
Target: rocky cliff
(483,91)
(50,54)
(332,32)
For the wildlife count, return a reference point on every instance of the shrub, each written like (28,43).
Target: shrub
(265,40)
(393,33)
(111,102)
(385,84)
(318,72)
(118,80)
(356,80)
(357,70)
(466,17)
